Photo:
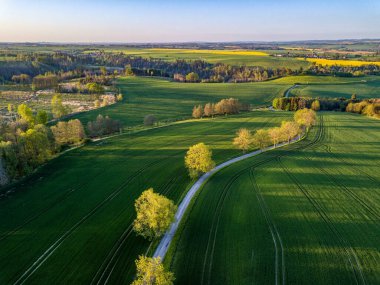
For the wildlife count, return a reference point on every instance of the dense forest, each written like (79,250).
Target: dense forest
(67,65)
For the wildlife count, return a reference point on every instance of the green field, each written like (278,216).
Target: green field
(172,100)
(73,216)
(305,214)
(367,87)
(208,56)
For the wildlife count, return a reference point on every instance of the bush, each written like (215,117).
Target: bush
(103,126)
(149,120)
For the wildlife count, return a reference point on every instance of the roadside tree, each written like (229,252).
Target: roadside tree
(155,213)
(198,160)
(261,138)
(151,271)
(243,140)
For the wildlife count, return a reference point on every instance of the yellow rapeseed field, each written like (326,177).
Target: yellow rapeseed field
(329,62)
(209,51)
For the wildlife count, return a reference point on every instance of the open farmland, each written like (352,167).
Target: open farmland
(231,57)
(330,62)
(305,214)
(172,100)
(79,207)
(363,87)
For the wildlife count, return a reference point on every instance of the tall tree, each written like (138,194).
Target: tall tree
(305,117)
(198,160)
(208,110)
(275,135)
(155,213)
(150,271)
(290,130)
(243,139)
(25,113)
(197,112)
(261,138)
(57,107)
(316,106)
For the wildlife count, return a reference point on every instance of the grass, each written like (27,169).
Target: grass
(304,214)
(363,87)
(171,100)
(86,197)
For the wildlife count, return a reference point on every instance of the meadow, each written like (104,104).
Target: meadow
(169,100)
(337,87)
(70,222)
(304,214)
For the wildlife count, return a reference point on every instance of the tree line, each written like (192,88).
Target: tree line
(223,107)
(75,65)
(303,120)
(368,107)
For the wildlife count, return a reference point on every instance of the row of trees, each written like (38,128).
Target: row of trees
(298,103)
(103,126)
(223,107)
(343,71)
(303,119)
(369,108)
(155,213)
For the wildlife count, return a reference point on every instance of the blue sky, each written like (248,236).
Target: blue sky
(176,21)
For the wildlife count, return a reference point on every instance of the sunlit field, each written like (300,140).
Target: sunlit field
(70,222)
(304,214)
(330,62)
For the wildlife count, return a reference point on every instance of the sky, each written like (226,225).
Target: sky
(138,21)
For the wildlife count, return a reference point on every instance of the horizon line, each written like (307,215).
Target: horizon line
(187,42)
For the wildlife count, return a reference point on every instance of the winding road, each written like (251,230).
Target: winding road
(290,89)
(168,237)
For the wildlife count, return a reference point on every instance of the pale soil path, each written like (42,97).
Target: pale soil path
(168,237)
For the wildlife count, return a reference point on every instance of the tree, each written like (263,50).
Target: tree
(289,130)
(103,70)
(57,107)
(71,132)
(208,110)
(192,77)
(42,117)
(119,97)
(261,138)
(128,70)
(198,160)
(243,139)
(150,120)
(25,113)
(275,134)
(155,214)
(44,81)
(150,271)
(316,106)
(95,88)
(276,103)
(197,112)
(305,117)
(36,145)
(103,126)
